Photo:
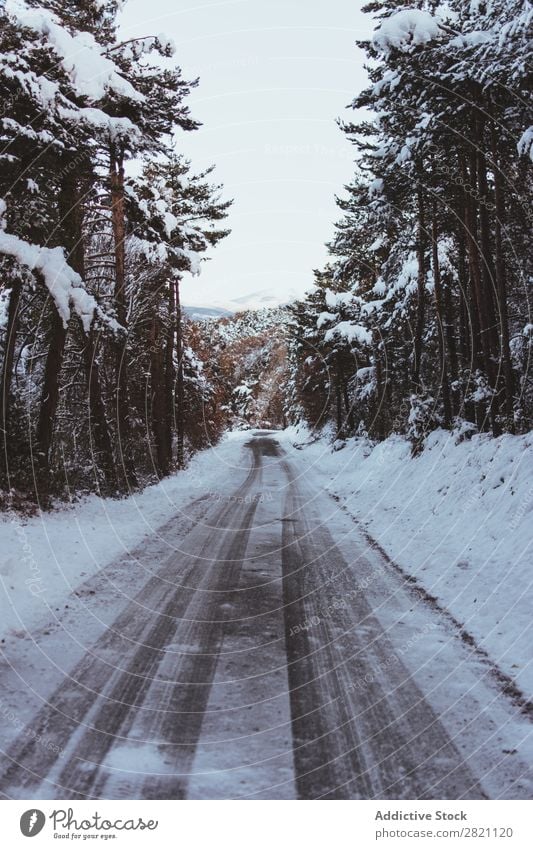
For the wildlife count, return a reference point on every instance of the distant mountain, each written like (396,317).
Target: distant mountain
(261,299)
(203,313)
(264,298)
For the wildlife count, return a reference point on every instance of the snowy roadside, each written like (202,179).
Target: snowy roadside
(44,558)
(458,518)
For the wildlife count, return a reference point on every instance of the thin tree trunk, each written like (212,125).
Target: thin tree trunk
(338,399)
(98,425)
(445,386)
(180,382)
(501,288)
(121,354)
(49,399)
(7,375)
(158,405)
(71,218)
(421,295)
(381,406)
(465,349)
(169,371)
(347,406)
(488,276)
(452,332)
(480,326)
(470,338)
(97,412)
(449,330)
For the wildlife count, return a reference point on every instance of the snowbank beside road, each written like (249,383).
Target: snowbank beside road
(459,518)
(43,559)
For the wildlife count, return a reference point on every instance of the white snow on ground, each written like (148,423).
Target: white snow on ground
(44,558)
(458,518)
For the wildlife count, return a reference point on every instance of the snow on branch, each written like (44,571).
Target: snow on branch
(336,300)
(134,48)
(325,318)
(525,145)
(349,332)
(4,307)
(92,75)
(50,97)
(117,128)
(406,29)
(63,283)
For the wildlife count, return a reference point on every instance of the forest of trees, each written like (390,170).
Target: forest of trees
(421,318)
(100,218)
(251,368)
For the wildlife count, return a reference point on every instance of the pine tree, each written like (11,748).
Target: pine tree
(74,242)
(431,219)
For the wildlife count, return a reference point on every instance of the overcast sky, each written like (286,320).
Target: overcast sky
(274,76)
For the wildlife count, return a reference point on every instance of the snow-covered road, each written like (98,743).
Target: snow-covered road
(258,648)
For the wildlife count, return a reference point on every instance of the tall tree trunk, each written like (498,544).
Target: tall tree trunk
(480,324)
(449,330)
(121,353)
(169,370)
(158,405)
(445,386)
(97,412)
(501,287)
(71,228)
(465,348)
(98,425)
(49,400)
(452,331)
(381,405)
(180,382)
(451,345)
(348,408)
(15,293)
(470,338)
(338,399)
(421,294)
(488,276)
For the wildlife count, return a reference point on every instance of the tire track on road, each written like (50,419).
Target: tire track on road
(102,674)
(361,726)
